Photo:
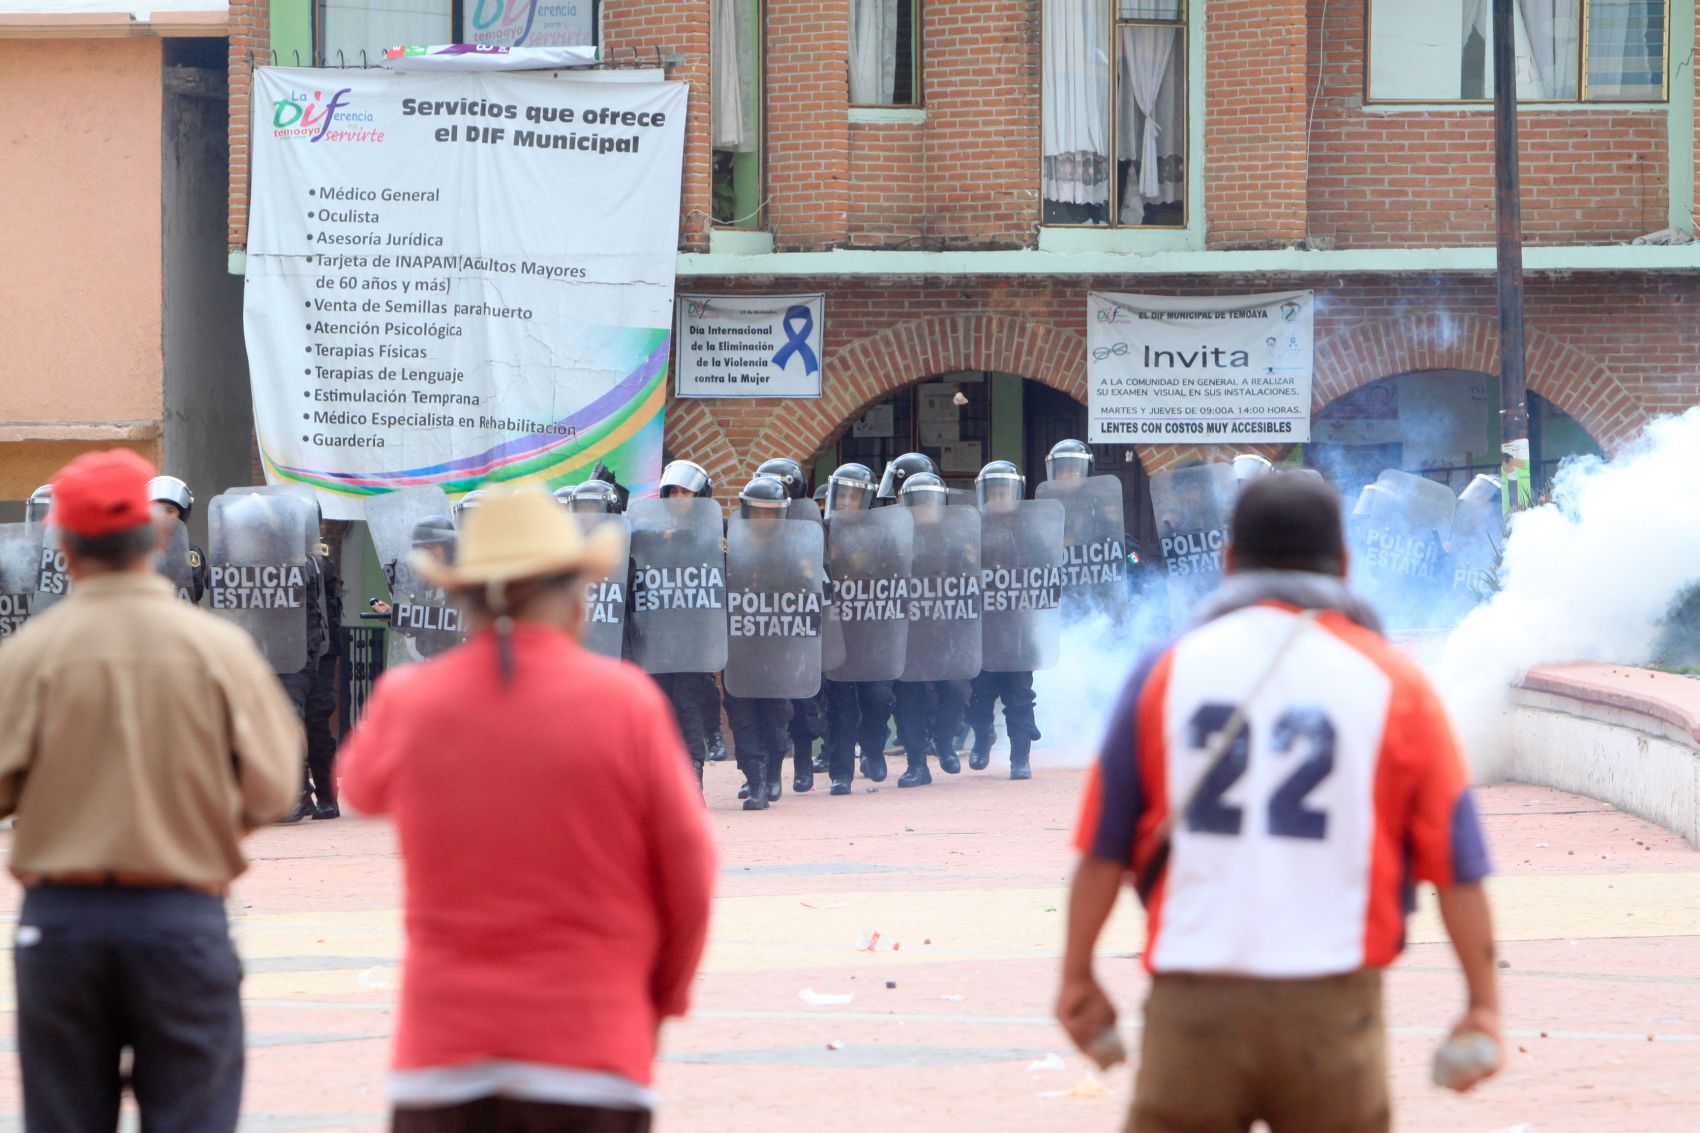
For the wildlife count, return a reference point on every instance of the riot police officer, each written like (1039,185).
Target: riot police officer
(174,497)
(1069,461)
(466,503)
(899,469)
(856,712)
(37,507)
(807,719)
(318,703)
(593,497)
(1000,487)
(928,712)
(789,473)
(760,725)
(693,696)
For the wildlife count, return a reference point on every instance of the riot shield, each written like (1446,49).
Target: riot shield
(392,517)
(678,598)
(424,622)
(51,583)
(1403,535)
(1021,581)
(1192,507)
(605,605)
(172,560)
(259,576)
(944,598)
(20,559)
(1095,541)
(774,605)
(803,509)
(1478,533)
(867,556)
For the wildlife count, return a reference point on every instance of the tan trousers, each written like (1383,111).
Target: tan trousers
(1219,1053)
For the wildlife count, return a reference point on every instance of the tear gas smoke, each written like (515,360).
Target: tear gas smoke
(1588,577)
(1591,576)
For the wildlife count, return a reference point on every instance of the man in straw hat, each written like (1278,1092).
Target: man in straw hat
(558,860)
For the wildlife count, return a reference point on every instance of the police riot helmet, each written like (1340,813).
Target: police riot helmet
(171,490)
(763,496)
(849,488)
(900,469)
(40,503)
(1069,460)
(923,490)
(1248,466)
(693,478)
(1000,484)
(434,532)
(787,472)
(595,497)
(466,503)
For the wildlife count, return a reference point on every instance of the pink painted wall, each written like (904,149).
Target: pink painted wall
(80,222)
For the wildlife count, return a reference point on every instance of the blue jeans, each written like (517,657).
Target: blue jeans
(104,968)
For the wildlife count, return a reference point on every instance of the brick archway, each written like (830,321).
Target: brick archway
(1369,351)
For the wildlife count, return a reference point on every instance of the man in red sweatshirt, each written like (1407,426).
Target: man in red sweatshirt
(557,855)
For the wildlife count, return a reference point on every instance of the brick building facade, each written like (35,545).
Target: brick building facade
(925,227)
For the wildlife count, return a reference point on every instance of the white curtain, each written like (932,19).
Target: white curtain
(732,75)
(1076,102)
(1150,127)
(873,52)
(1626,49)
(1546,39)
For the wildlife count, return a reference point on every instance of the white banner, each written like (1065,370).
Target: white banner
(529,23)
(459,278)
(1221,369)
(750,345)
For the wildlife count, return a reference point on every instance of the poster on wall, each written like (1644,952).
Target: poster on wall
(458,278)
(750,345)
(529,23)
(1204,370)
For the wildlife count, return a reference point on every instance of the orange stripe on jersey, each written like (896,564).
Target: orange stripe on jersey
(1154,778)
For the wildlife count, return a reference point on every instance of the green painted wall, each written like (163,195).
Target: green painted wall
(1006,418)
(292,32)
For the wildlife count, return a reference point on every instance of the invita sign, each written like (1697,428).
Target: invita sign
(1162,369)
(750,345)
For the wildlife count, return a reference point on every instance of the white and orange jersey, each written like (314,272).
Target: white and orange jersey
(1299,845)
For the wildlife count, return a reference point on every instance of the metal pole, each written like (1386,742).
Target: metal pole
(1513,386)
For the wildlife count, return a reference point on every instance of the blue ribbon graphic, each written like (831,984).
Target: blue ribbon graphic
(797,340)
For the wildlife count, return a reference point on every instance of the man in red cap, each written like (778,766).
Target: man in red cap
(144,739)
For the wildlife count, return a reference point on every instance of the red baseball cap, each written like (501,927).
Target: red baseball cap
(100,493)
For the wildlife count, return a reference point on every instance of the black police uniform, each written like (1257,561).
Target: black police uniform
(1015,689)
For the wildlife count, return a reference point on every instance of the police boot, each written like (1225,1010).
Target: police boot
(303,809)
(873,767)
(981,756)
(840,787)
(1019,768)
(775,770)
(716,748)
(803,780)
(949,762)
(917,775)
(754,792)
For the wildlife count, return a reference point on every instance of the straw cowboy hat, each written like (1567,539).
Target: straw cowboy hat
(520,534)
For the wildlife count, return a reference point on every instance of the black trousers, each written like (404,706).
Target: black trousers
(321,744)
(807,725)
(857,713)
(1016,692)
(689,694)
(929,714)
(511,1115)
(101,969)
(760,735)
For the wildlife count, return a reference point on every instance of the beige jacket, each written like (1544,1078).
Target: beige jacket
(140,735)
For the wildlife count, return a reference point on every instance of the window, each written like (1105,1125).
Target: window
(1566,50)
(1115,128)
(355,33)
(529,23)
(735,111)
(885,60)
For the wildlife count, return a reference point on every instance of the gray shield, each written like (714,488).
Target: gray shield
(258,574)
(1402,535)
(803,509)
(1192,507)
(1478,533)
(868,558)
(775,599)
(944,597)
(172,560)
(1021,580)
(678,598)
(605,605)
(1095,541)
(51,582)
(424,621)
(20,560)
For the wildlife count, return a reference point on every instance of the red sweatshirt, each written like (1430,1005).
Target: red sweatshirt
(557,856)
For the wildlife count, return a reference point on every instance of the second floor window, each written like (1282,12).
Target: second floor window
(1115,127)
(885,53)
(1566,50)
(358,34)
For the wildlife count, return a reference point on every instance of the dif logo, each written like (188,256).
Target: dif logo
(300,116)
(505,15)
